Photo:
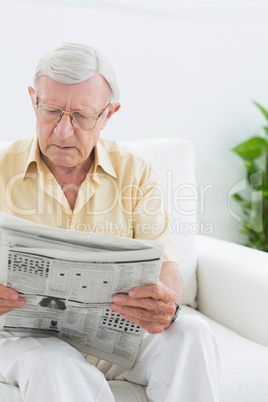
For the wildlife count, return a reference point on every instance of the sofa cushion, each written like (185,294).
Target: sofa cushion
(226,268)
(244,365)
(173,158)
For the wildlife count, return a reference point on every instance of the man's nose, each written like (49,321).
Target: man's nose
(64,128)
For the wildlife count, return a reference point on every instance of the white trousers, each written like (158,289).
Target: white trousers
(181,364)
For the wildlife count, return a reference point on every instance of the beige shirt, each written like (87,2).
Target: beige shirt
(121,195)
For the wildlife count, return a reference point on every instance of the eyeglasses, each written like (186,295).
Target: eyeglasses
(78,118)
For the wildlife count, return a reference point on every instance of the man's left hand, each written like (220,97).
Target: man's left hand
(151,307)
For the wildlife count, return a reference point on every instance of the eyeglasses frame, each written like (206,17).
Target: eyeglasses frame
(71,115)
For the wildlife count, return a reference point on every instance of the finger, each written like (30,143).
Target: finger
(8,293)
(5,306)
(159,306)
(142,314)
(5,310)
(7,303)
(158,292)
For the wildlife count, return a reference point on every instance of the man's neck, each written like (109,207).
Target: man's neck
(70,178)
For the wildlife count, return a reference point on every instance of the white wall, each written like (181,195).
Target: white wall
(186,69)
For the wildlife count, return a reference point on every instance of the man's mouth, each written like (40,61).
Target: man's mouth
(64,147)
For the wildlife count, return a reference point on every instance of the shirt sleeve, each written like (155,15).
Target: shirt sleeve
(150,220)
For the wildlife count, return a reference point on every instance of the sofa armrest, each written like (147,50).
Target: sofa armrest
(233,287)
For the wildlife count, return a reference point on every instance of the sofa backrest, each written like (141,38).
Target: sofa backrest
(173,158)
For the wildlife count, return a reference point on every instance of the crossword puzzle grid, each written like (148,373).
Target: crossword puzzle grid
(112,320)
(28,264)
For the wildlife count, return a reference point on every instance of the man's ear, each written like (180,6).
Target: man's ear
(113,108)
(32,95)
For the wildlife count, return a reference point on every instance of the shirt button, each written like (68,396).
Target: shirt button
(71,224)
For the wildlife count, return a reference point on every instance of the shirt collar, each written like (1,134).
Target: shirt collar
(102,159)
(34,156)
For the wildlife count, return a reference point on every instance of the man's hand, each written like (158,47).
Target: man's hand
(9,299)
(152,307)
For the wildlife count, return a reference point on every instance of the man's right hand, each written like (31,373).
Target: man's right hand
(9,299)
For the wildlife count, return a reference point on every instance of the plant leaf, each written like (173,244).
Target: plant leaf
(265,129)
(251,167)
(265,191)
(237,197)
(264,111)
(251,149)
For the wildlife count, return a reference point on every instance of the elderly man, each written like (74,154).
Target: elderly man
(67,176)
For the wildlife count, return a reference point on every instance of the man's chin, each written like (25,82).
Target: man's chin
(60,161)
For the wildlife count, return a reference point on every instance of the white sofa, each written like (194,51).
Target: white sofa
(225,283)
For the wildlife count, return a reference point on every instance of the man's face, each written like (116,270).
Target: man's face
(60,143)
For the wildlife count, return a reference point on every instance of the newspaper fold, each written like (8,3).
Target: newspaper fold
(69,279)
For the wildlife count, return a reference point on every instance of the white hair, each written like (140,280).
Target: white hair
(71,63)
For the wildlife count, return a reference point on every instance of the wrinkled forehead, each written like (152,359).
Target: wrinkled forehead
(93,92)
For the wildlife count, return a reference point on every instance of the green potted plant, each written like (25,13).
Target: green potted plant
(254,153)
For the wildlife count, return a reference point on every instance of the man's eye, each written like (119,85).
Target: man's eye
(53,111)
(81,116)
(50,111)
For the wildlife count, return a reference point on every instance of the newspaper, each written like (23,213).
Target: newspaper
(69,279)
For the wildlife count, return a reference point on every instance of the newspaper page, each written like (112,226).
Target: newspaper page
(69,285)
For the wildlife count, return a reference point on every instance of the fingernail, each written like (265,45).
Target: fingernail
(114,307)
(117,299)
(132,293)
(14,296)
(21,303)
